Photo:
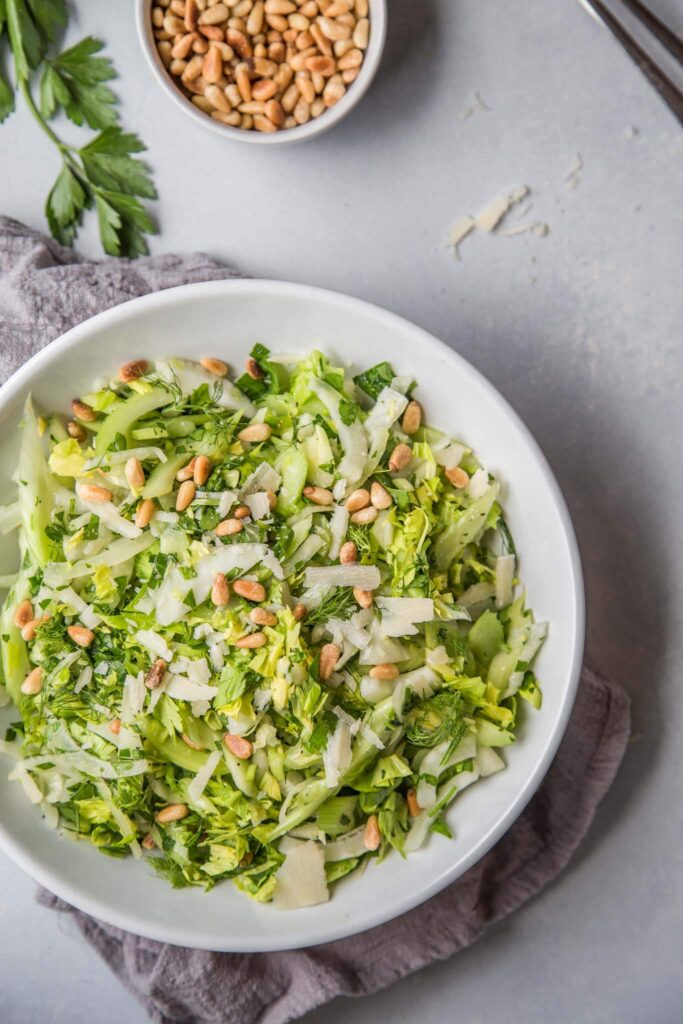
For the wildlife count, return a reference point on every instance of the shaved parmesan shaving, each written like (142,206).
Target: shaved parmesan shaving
(69,597)
(264,478)
(154,642)
(339,524)
(337,754)
(492,214)
(366,577)
(478,484)
(382,650)
(182,688)
(505,569)
(225,502)
(201,779)
(301,881)
(134,691)
(477,593)
(451,455)
(401,614)
(83,679)
(258,504)
(459,232)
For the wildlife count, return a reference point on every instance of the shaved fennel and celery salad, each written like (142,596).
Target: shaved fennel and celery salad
(264,629)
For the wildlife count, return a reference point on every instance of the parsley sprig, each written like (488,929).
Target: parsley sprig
(103,174)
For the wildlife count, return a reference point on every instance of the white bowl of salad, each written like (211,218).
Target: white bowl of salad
(293,616)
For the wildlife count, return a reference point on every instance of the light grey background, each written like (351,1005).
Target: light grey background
(581,330)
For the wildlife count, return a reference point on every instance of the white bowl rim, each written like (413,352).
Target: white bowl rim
(316,126)
(104,910)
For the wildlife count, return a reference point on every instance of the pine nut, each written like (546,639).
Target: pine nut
(264,68)
(413,806)
(93,493)
(363,597)
(181,49)
(215,366)
(379,496)
(33,683)
(149,842)
(297,59)
(234,119)
(400,457)
(200,46)
(372,836)
(412,418)
(220,591)
(213,66)
(319,85)
(301,23)
(252,108)
(279,7)
(250,590)
(364,516)
(348,553)
(228,528)
(214,15)
(264,90)
(333,91)
(276,52)
(358,499)
(334,29)
(203,103)
(81,635)
(28,632)
(342,47)
(275,113)
(242,512)
(241,9)
(202,469)
(255,433)
(300,612)
(362,8)
(329,656)
(309,9)
(321,41)
(212,33)
(83,412)
(157,17)
(194,69)
(317,106)
(173,25)
(272,500)
(23,613)
(251,641)
(238,745)
(384,671)
(177,68)
(185,495)
(277,21)
(350,75)
(290,98)
(115,726)
(155,674)
(305,86)
(457,476)
(215,98)
(76,431)
(318,495)
(262,617)
(302,112)
(253,369)
(173,812)
(239,43)
(361,34)
(187,472)
(233,94)
(133,370)
(144,513)
(135,474)
(352,59)
(191,15)
(325,66)
(304,41)
(255,19)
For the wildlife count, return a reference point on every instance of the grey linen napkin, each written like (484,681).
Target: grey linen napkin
(45,289)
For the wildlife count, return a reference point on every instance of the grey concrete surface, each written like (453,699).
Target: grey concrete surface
(581,330)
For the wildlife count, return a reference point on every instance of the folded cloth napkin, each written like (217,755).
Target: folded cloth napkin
(44,289)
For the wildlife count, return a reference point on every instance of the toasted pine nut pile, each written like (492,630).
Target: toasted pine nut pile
(262,65)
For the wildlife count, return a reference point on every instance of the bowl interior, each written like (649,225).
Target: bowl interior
(224,319)
(317,125)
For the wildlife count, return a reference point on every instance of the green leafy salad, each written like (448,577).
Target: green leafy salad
(263,629)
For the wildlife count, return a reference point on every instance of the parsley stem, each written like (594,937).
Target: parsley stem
(26,92)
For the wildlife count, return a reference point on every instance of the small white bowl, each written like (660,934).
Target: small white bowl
(224,319)
(317,125)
